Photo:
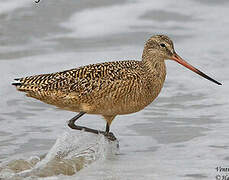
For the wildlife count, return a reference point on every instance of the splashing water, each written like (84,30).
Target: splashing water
(71,152)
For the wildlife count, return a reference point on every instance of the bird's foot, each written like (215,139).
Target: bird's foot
(110,136)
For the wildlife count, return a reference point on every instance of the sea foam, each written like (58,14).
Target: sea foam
(11,5)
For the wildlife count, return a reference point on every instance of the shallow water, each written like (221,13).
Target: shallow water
(72,152)
(183,134)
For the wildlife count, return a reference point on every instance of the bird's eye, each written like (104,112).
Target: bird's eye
(162,45)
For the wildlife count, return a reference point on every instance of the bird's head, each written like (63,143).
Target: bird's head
(160,47)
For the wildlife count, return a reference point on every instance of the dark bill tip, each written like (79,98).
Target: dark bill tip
(207,77)
(189,66)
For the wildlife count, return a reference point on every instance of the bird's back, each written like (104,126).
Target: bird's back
(104,88)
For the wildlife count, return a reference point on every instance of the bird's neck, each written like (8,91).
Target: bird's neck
(153,62)
(155,72)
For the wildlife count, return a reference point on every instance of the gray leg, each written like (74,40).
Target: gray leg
(109,134)
(71,124)
(107,128)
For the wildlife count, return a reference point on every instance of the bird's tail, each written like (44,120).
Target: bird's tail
(32,83)
(22,85)
(17,82)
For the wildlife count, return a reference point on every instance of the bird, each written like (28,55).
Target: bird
(110,88)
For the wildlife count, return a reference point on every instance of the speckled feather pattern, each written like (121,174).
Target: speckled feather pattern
(108,89)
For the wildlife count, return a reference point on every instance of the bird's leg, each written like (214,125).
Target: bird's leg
(107,128)
(109,134)
(71,124)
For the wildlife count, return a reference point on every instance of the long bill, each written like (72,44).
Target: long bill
(189,66)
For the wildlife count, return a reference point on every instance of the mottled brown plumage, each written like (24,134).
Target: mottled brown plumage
(108,89)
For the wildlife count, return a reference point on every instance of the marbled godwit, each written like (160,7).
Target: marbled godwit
(110,88)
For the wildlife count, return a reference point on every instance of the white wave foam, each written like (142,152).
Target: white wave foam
(78,144)
(11,5)
(71,152)
(110,20)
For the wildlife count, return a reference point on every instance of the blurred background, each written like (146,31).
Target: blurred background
(183,134)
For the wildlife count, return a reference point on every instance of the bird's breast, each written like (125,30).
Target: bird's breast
(132,97)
